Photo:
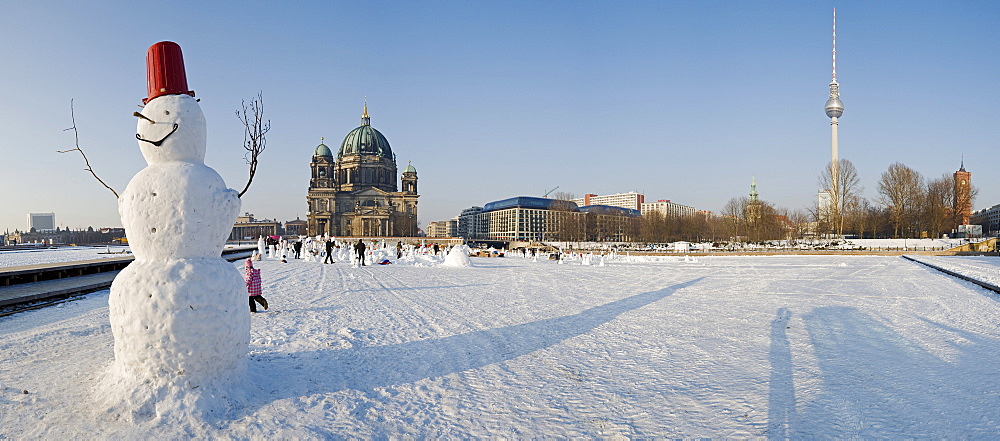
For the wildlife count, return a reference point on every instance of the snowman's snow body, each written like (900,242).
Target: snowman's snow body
(178,312)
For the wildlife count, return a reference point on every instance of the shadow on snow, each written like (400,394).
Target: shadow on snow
(365,368)
(877,383)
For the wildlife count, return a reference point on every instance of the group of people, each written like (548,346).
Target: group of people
(315,248)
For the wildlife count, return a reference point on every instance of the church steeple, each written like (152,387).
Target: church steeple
(753,189)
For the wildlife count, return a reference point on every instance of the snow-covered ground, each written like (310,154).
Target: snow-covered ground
(982,268)
(723,347)
(33,256)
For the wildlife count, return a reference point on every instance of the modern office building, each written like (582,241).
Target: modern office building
(527,218)
(447,228)
(666,208)
(470,224)
(41,221)
(630,200)
(354,193)
(989,218)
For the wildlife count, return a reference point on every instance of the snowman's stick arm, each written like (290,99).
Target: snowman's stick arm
(76,136)
(254,139)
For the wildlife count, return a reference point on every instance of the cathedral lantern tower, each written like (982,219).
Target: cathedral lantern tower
(410,179)
(355,193)
(322,167)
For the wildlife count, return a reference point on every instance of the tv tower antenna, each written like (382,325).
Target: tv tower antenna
(834,45)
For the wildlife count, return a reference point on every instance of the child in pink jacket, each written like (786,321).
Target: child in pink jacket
(252,278)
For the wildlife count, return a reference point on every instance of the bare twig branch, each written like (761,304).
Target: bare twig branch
(254,139)
(76,136)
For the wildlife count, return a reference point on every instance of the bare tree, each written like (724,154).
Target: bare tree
(733,211)
(845,189)
(563,196)
(938,213)
(254,139)
(901,189)
(800,218)
(76,143)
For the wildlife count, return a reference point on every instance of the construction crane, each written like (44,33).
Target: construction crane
(550,191)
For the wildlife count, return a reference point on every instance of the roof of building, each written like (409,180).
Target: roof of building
(365,140)
(409,169)
(530,202)
(322,150)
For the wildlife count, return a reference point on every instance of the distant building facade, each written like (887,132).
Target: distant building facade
(42,221)
(248,228)
(666,208)
(989,218)
(448,228)
(526,218)
(355,194)
(295,227)
(824,203)
(470,224)
(630,200)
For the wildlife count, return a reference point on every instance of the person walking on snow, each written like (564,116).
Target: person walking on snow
(252,278)
(297,246)
(360,249)
(329,251)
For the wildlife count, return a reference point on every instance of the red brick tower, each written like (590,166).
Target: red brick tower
(963,202)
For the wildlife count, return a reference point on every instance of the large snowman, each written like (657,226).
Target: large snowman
(178,312)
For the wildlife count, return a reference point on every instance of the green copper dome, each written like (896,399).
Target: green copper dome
(322,150)
(409,169)
(365,140)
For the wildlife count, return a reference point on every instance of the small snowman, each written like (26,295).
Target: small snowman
(178,312)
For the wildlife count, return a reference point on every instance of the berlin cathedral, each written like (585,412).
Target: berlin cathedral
(355,194)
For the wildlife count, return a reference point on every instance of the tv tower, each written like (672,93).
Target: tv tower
(834,109)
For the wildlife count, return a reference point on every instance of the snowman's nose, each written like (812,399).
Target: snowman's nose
(139,115)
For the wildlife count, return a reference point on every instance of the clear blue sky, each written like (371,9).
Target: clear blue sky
(493,99)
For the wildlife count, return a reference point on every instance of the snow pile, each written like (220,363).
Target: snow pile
(458,257)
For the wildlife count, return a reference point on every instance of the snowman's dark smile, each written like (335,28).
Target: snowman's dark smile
(157,143)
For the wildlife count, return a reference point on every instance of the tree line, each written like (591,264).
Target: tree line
(907,205)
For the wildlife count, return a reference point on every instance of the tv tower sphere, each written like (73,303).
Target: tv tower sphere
(834,107)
